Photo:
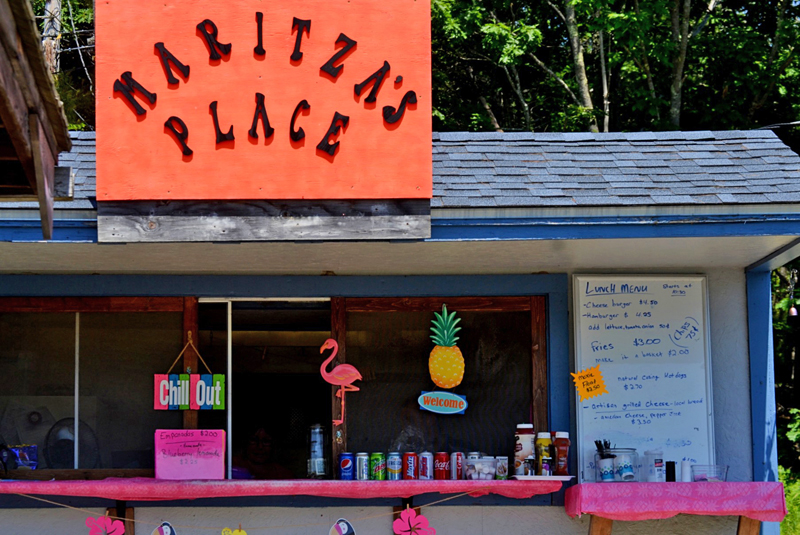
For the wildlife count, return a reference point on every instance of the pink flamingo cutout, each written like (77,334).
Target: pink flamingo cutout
(343,375)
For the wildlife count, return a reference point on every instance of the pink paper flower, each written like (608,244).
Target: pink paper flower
(105,526)
(410,523)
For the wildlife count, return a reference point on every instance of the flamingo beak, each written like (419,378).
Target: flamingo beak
(324,347)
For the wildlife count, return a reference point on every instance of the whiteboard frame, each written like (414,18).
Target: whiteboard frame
(578,363)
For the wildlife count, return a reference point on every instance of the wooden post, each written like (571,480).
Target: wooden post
(122,511)
(338,333)
(600,526)
(190,327)
(748,526)
(539,356)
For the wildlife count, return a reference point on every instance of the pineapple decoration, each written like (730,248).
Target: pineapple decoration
(446,363)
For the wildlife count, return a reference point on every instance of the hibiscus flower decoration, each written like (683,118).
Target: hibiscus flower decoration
(410,523)
(105,526)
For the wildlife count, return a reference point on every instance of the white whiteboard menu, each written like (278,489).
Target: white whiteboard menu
(649,336)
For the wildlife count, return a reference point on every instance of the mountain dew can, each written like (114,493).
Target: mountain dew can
(377,466)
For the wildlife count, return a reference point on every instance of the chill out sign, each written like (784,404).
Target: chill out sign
(189,392)
(209,100)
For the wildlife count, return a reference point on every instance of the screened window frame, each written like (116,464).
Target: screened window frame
(77,305)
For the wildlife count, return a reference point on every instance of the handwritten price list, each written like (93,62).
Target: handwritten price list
(647,336)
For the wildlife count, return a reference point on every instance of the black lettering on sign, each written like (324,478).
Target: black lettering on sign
(215,48)
(181,135)
(377,79)
(297,135)
(391,116)
(166,58)
(302,26)
(261,113)
(259,49)
(220,136)
(127,87)
(339,121)
(329,68)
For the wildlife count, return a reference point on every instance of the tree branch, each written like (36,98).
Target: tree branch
(555,77)
(487,108)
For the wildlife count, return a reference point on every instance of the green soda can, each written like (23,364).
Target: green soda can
(377,466)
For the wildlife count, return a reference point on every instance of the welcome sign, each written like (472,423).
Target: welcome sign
(442,402)
(291,99)
(184,392)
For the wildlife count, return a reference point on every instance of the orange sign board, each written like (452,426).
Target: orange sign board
(291,99)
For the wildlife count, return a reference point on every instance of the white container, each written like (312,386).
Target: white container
(483,468)
(655,467)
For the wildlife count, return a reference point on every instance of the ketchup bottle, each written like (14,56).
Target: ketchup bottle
(561,447)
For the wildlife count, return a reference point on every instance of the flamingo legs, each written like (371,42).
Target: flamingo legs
(340,394)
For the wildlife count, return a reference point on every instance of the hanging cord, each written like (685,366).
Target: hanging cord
(257,528)
(792,283)
(189,344)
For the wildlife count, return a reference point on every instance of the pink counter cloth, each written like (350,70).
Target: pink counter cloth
(146,489)
(647,501)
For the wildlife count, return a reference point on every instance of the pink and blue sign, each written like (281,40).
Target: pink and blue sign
(189,392)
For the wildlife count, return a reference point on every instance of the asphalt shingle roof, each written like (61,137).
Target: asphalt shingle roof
(472,170)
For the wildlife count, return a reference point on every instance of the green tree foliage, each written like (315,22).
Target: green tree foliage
(645,65)
(74,75)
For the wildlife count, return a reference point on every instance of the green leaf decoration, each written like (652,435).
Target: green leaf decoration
(444,328)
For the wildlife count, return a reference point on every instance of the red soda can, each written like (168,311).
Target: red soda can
(410,465)
(426,465)
(441,465)
(457,465)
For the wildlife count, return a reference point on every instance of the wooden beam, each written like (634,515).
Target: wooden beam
(13,107)
(434,304)
(19,36)
(338,333)
(600,526)
(190,328)
(539,362)
(91,304)
(44,165)
(182,221)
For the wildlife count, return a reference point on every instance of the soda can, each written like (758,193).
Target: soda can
(426,465)
(347,468)
(394,466)
(502,468)
(441,465)
(474,455)
(362,466)
(457,465)
(377,466)
(410,465)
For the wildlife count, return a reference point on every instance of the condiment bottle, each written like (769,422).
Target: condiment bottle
(561,447)
(543,444)
(523,448)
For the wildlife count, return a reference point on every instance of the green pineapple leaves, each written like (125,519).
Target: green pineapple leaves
(444,328)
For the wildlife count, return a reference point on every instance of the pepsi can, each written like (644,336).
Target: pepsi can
(394,466)
(426,465)
(347,466)
(362,466)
